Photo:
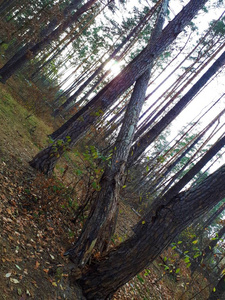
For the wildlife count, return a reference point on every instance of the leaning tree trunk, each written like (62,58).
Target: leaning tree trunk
(105,275)
(209,221)
(73,97)
(140,146)
(219,292)
(77,126)
(101,221)
(22,57)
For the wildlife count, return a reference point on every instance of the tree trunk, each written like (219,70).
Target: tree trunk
(99,227)
(219,293)
(151,135)
(104,276)
(6,5)
(77,126)
(22,56)
(73,97)
(209,221)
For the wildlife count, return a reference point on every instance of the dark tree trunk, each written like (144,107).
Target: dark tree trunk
(174,190)
(209,221)
(104,276)
(88,115)
(151,135)
(6,5)
(99,70)
(22,56)
(219,293)
(99,227)
(209,249)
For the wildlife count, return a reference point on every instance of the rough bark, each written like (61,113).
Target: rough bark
(104,276)
(77,126)
(99,227)
(151,135)
(22,57)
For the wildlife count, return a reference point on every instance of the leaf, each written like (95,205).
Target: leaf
(37,264)
(13,280)
(19,291)
(178,270)
(54,283)
(195,242)
(8,275)
(214,289)
(143,222)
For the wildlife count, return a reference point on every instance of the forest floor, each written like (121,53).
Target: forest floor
(36,219)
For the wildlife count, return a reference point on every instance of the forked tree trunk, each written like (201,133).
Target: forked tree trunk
(105,275)
(78,125)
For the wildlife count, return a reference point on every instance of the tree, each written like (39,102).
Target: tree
(155,232)
(78,125)
(46,36)
(100,224)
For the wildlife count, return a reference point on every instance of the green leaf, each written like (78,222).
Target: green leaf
(195,242)
(214,289)
(140,278)
(178,270)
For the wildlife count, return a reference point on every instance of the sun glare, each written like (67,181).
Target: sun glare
(113,66)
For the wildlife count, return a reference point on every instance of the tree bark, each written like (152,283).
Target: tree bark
(22,57)
(104,276)
(77,126)
(100,225)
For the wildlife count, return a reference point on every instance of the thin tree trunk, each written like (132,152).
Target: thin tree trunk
(77,126)
(104,276)
(101,67)
(209,221)
(151,135)
(22,57)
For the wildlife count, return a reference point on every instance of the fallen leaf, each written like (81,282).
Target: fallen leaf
(37,264)
(8,275)
(13,280)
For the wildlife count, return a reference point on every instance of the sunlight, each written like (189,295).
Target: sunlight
(113,66)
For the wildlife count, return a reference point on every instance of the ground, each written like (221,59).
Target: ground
(37,216)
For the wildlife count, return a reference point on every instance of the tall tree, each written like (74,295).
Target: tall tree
(100,224)
(104,276)
(89,114)
(150,135)
(46,36)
